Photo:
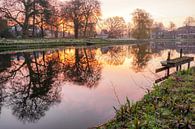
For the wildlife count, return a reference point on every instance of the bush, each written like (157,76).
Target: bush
(6,33)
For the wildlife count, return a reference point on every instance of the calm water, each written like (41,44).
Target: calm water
(76,88)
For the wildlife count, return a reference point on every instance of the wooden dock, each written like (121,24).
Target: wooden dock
(171,63)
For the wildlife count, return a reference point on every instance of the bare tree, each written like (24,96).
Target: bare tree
(92,12)
(73,11)
(18,11)
(55,20)
(26,13)
(42,9)
(115,26)
(84,14)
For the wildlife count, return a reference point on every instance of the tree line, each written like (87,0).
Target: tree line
(80,17)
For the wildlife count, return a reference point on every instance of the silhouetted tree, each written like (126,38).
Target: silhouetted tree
(82,13)
(83,68)
(34,86)
(91,12)
(18,11)
(21,12)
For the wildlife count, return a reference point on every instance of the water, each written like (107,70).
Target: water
(76,88)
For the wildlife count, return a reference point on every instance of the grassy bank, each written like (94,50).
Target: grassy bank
(26,44)
(171,105)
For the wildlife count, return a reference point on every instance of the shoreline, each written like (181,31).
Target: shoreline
(12,45)
(169,105)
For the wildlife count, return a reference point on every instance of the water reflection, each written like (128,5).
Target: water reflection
(114,55)
(34,84)
(141,56)
(83,68)
(31,87)
(31,81)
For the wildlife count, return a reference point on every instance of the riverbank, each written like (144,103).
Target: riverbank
(171,105)
(10,45)
(29,44)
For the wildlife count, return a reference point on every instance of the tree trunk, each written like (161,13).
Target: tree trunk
(76,29)
(25,32)
(33,33)
(42,30)
(85,30)
(56,32)
(63,30)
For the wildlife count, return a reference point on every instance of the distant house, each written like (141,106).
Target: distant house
(16,30)
(186,32)
(180,33)
(159,33)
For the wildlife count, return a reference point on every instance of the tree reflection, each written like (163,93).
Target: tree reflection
(114,55)
(141,56)
(83,68)
(29,83)
(5,63)
(33,87)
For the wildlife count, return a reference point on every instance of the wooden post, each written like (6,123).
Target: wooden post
(169,56)
(181,54)
(168,59)
(188,65)
(177,68)
(180,67)
(168,71)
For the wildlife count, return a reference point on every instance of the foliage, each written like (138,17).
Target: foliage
(142,23)
(6,33)
(189,21)
(169,106)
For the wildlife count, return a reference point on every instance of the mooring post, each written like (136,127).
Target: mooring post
(188,65)
(169,56)
(168,59)
(177,68)
(181,55)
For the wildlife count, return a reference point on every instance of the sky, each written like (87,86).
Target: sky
(160,10)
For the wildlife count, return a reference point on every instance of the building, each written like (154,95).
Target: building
(103,34)
(186,32)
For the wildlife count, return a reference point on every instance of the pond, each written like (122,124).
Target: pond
(77,87)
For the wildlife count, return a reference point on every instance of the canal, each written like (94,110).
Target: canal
(77,87)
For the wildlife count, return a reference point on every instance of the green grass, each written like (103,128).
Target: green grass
(25,44)
(170,105)
(29,44)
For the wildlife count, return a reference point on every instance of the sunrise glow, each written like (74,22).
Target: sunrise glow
(161,10)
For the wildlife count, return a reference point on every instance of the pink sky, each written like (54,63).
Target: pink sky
(161,10)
